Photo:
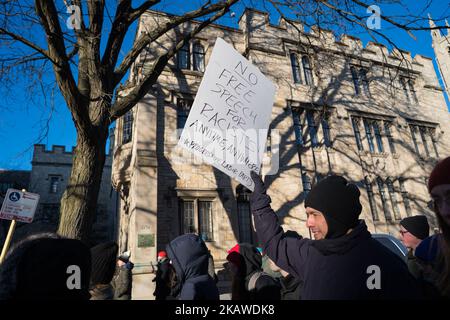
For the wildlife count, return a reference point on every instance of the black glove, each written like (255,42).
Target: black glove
(258,199)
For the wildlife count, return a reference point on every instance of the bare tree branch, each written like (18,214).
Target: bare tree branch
(28,43)
(147,38)
(121,106)
(47,13)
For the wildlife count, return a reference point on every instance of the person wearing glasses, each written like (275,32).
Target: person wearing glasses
(413,230)
(433,253)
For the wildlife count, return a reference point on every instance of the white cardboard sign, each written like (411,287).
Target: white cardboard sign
(19,205)
(228,123)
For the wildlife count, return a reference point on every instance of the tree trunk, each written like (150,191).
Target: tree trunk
(79,201)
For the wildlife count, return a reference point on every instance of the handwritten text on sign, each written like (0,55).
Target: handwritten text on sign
(229,119)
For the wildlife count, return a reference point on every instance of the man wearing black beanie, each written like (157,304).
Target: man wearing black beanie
(339,203)
(413,230)
(339,263)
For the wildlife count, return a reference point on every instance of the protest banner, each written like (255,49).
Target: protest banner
(228,123)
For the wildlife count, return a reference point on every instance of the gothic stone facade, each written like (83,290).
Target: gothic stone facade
(377,117)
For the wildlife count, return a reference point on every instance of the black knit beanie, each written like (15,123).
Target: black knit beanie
(104,258)
(338,200)
(417,226)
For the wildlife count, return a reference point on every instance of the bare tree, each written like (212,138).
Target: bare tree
(90,98)
(87,70)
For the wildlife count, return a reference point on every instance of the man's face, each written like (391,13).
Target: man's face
(441,198)
(316,223)
(408,239)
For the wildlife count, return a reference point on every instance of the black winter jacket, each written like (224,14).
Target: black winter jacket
(347,267)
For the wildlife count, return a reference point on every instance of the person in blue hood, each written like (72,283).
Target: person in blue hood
(189,257)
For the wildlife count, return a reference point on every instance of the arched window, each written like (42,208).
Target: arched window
(183,57)
(404,85)
(378,138)
(198,57)
(355,124)
(183,108)
(412,91)
(244,214)
(405,196)
(372,203)
(298,127)
(326,130)
(307,70)
(393,197)
(369,135)
(306,182)
(382,190)
(364,81)
(312,128)
(127,128)
(355,79)
(295,68)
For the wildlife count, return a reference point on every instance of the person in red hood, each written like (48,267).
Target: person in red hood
(433,253)
(249,282)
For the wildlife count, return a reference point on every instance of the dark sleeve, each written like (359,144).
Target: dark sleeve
(267,288)
(187,292)
(288,253)
(415,267)
(165,272)
(122,285)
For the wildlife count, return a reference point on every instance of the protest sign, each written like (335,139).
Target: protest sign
(228,123)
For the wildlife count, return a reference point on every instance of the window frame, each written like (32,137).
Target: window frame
(307,70)
(387,131)
(188,102)
(369,135)
(196,55)
(127,126)
(243,199)
(185,51)
(355,79)
(384,203)
(371,198)
(295,68)
(312,128)
(52,178)
(196,216)
(356,126)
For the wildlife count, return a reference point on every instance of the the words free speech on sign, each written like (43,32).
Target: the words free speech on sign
(228,123)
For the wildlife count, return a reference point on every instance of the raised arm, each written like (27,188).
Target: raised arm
(288,253)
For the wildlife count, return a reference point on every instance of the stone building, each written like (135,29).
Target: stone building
(49,177)
(377,117)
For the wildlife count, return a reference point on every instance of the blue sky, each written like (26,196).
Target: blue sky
(24,117)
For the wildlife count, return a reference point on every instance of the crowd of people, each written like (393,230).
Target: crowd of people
(343,261)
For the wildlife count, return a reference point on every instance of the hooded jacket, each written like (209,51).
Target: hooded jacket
(189,256)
